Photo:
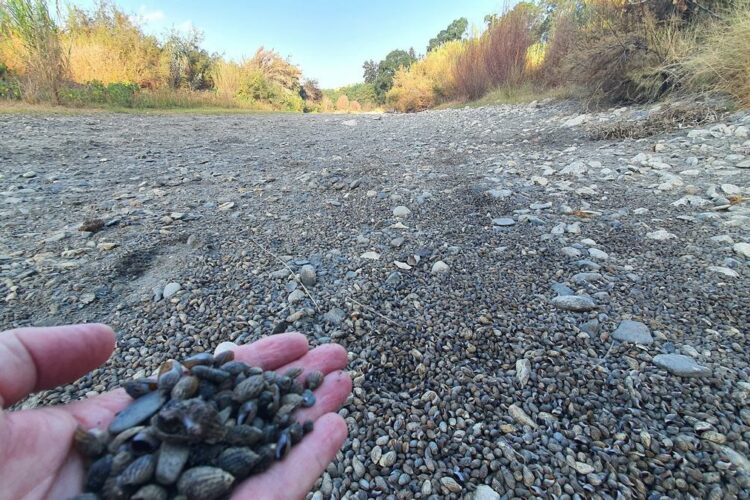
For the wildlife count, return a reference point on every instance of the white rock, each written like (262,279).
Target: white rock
(402,265)
(742,249)
(730,189)
(741,131)
(598,254)
(743,164)
(401,211)
(370,256)
(225,346)
(484,492)
(575,168)
(588,242)
(523,371)
(170,289)
(307,275)
(571,252)
(724,270)
(660,235)
(349,123)
(724,238)
(440,267)
(576,121)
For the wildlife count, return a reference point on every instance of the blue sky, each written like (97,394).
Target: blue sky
(328,39)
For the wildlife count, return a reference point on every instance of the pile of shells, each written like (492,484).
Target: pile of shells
(196,430)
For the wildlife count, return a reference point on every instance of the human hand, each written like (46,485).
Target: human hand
(37,459)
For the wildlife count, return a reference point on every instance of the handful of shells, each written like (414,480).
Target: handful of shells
(196,429)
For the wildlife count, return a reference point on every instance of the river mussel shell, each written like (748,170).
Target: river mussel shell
(196,429)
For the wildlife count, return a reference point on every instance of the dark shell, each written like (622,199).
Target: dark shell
(223,358)
(113,491)
(90,443)
(139,387)
(267,454)
(139,472)
(291,399)
(296,387)
(145,441)
(238,461)
(247,412)
(215,375)
(202,358)
(92,225)
(283,445)
(121,460)
(98,472)
(185,388)
(122,438)
(189,421)
(205,483)
(243,435)
(307,426)
(172,459)
(234,367)
(293,373)
(150,492)
(136,412)
(308,398)
(284,383)
(170,372)
(314,379)
(223,399)
(86,496)
(202,454)
(296,432)
(249,388)
(254,370)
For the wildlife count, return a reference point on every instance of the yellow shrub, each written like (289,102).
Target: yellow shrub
(412,90)
(438,66)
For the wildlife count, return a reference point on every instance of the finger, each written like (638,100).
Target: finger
(33,359)
(98,411)
(329,397)
(326,358)
(302,466)
(271,352)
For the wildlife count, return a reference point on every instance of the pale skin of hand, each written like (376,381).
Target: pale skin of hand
(37,459)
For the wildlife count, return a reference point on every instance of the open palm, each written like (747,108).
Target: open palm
(37,459)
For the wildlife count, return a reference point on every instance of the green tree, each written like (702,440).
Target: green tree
(189,64)
(371,71)
(387,69)
(454,31)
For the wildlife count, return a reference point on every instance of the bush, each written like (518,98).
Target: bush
(342,103)
(412,90)
(96,93)
(9,86)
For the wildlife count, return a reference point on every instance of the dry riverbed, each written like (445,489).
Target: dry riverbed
(528,311)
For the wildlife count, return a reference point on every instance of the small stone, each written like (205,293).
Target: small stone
(87,298)
(170,289)
(520,416)
(575,303)
(523,371)
(450,484)
(598,254)
(660,235)
(106,246)
(349,123)
(397,242)
(307,275)
(440,267)
(584,468)
(634,332)
(296,296)
(571,252)
(683,366)
(484,492)
(401,211)
(724,270)
(335,316)
(370,256)
(503,221)
(226,206)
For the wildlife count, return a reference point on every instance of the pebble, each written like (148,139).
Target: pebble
(681,365)
(660,235)
(742,249)
(307,275)
(503,221)
(440,267)
(575,303)
(634,332)
(170,289)
(401,211)
(484,492)
(335,316)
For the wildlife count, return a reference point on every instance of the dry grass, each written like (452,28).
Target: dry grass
(664,121)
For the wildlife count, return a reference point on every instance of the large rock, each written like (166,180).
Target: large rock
(170,289)
(683,366)
(634,332)
(575,303)
(401,211)
(742,249)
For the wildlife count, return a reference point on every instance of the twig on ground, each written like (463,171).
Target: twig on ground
(307,292)
(389,320)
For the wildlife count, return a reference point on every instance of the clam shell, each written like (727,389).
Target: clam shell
(314,379)
(234,367)
(247,412)
(172,459)
(121,460)
(136,412)
(283,445)
(90,443)
(249,388)
(150,492)
(189,421)
(238,461)
(243,435)
(138,472)
(202,358)
(205,483)
(139,387)
(98,472)
(112,490)
(223,358)
(215,375)
(145,441)
(170,373)
(293,372)
(185,388)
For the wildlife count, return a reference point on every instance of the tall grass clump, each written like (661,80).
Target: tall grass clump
(722,63)
(40,50)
